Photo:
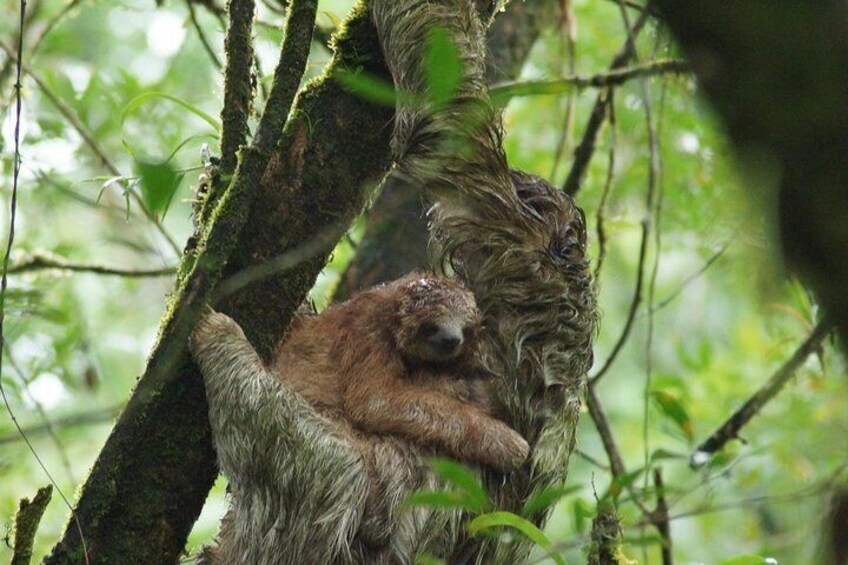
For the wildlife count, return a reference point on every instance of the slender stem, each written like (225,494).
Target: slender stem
(660,518)
(586,148)
(503,92)
(730,429)
(40,262)
(202,35)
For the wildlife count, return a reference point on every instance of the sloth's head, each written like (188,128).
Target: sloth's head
(437,318)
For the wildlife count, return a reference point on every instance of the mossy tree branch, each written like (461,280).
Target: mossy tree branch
(125,499)
(26,524)
(238,88)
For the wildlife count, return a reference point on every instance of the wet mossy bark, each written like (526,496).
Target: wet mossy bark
(335,148)
(154,473)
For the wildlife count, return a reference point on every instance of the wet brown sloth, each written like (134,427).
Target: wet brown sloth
(400,359)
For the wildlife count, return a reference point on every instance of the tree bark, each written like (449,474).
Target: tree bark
(777,76)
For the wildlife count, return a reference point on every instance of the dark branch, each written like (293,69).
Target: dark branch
(660,518)
(238,89)
(41,261)
(586,148)
(599,417)
(730,429)
(503,92)
(73,420)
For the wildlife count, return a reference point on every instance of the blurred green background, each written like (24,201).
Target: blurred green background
(718,314)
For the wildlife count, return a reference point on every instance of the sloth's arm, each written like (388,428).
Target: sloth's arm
(256,421)
(383,403)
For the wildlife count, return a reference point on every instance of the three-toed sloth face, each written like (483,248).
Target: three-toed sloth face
(437,319)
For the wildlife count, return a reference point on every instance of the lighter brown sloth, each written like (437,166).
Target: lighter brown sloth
(400,359)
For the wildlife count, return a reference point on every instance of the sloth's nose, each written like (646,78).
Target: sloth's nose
(448,343)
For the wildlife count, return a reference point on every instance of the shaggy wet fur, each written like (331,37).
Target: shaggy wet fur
(397,360)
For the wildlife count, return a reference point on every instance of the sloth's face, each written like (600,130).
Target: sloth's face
(443,339)
(438,320)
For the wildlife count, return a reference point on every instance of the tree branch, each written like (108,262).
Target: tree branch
(584,151)
(43,261)
(238,90)
(503,92)
(26,524)
(730,429)
(659,517)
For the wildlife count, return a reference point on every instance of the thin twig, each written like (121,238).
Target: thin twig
(69,114)
(600,217)
(51,24)
(4,280)
(42,413)
(617,468)
(599,417)
(689,279)
(633,5)
(635,302)
(660,518)
(586,148)
(503,92)
(42,261)
(568,38)
(730,429)
(87,418)
(202,36)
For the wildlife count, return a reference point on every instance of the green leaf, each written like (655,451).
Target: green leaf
(442,66)
(503,93)
(749,560)
(508,519)
(367,87)
(136,102)
(444,499)
(582,512)
(673,408)
(426,559)
(463,479)
(660,454)
(548,496)
(159,182)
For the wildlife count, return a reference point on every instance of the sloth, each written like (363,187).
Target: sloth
(393,367)
(400,359)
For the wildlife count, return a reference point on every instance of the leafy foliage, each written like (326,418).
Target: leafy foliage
(137,93)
